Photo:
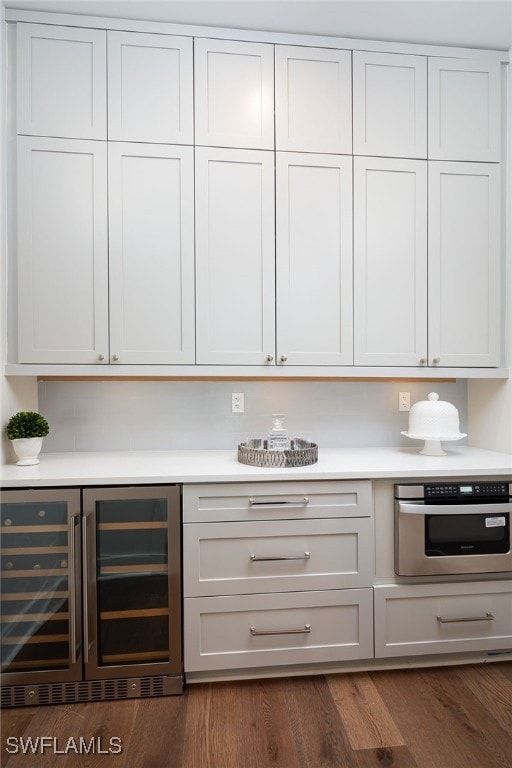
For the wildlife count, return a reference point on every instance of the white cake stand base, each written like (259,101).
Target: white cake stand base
(433,448)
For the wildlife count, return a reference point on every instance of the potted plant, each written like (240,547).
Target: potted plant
(26,430)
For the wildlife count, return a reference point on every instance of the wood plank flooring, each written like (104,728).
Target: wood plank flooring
(448,717)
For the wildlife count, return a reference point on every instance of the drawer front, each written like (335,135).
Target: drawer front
(442,618)
(270,630)
(275,501)
(295,555)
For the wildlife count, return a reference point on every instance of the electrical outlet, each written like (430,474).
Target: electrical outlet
(404,401)
(237,402)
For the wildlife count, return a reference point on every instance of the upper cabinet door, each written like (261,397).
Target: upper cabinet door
(234,94)
(464,264)
(314,259)
(464,110)
(390,104)
(61,81)
(150,88)
(390,261)
(235,256)
(313,99)
(62,251)
(151,235)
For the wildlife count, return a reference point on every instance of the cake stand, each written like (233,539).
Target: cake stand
(432,445)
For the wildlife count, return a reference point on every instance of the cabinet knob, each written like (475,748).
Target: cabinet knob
(270,358)
(283,358)
(115,358)
(436,360)
(101,357)
(423,360)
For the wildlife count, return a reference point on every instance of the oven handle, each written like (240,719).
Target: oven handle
(420,508)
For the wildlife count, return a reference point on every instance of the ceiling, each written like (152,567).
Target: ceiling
(466,23)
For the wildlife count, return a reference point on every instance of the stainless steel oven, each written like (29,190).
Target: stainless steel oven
(453,528)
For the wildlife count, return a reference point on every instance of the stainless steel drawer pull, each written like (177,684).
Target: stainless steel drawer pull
(301,631)
(258,558)
(279,503)
(487,617)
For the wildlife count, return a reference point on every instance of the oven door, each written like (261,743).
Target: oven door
(436,539)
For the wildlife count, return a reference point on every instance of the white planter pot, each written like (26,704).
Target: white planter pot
(27,449)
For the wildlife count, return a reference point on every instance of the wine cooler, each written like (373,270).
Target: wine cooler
(90,594)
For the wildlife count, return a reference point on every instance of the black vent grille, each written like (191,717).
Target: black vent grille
(95,690)
(151,686)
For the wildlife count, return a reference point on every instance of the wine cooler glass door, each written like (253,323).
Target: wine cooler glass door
(40,586)
(133,594)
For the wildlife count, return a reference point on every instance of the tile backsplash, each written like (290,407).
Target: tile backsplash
(168,415)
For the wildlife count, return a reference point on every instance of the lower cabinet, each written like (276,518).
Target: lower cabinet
(442,618)
(281,575)
(243,631)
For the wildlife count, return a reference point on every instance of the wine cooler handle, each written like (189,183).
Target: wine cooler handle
(85,590)
(73,521)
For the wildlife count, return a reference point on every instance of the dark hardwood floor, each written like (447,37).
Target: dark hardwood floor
(449,717)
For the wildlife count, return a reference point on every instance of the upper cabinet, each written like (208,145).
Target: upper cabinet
(390,104)
(150,88)
(390,261)
(464,109)
(464,264)
(61,81)
(62,251)
(314,259)
(234,94)
(151,253)
(235,248)
(313,99)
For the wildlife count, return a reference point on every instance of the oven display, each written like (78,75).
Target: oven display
(466,488)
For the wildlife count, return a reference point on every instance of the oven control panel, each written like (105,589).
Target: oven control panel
(469,490)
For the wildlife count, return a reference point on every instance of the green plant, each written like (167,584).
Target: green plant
(26,424)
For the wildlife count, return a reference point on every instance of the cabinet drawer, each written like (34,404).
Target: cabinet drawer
(442,618)
(274,501)
(267,630)
(240,558)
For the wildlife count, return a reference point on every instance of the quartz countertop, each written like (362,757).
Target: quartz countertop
(214,466)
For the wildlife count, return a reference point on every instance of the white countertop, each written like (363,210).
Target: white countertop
(151,467)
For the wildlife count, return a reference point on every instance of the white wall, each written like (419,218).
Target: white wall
(159,415)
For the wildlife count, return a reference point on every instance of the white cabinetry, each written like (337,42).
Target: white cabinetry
(390,262)
(464,119)
(464,264)
(280,277)
(234,94)
(313,99)
(150,88)
(62,251)
(390,104)
(151,254)
(314,259)
(235,252)
(61,83)
(277,574)
(442,618)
